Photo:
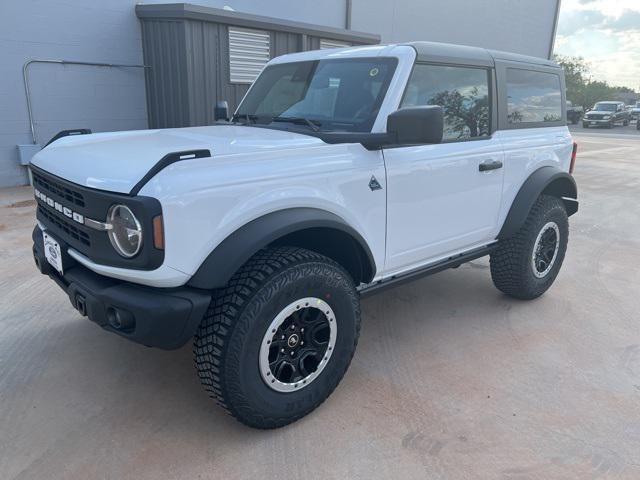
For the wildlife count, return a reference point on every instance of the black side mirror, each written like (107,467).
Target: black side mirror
(221,111)
(417,125)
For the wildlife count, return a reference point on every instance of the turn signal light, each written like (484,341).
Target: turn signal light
(158,233)
(573,157)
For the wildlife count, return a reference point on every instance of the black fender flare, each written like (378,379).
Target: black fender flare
(549,180)
(225,259)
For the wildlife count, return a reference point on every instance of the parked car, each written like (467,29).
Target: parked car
(574,113)
(606,114)
(634,112)
(340,174)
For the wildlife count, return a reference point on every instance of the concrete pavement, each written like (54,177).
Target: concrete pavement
(451,379)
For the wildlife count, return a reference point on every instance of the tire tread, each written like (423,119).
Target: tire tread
(211,343)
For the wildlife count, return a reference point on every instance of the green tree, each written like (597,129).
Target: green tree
(581,89)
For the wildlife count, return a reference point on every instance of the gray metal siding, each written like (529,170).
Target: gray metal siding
(189,60)
(202,42)
(283,43)
(167,97)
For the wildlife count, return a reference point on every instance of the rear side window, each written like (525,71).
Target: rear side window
(533,97)
(462,92)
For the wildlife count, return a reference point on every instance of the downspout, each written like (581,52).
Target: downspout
(347,20)
(555,29)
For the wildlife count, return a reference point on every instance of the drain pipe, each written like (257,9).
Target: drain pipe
(347,20)
(27,91)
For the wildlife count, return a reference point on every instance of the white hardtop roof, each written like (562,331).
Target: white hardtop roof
(425,51)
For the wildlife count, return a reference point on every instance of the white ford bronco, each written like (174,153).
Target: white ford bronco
(342,172)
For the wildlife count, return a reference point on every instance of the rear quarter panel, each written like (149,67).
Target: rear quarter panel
(525,151)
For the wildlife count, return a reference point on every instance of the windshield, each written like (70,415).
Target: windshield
(605,107)
(330,95)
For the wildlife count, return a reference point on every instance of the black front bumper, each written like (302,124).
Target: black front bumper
(157,317)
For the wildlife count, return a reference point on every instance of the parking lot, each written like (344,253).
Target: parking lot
(600,131)
(451,379)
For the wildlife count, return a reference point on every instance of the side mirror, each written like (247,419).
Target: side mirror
(221,111)
(417,125)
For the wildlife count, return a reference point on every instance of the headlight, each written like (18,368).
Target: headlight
(125,233)
(606,117)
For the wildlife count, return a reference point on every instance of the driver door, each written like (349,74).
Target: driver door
(445,198)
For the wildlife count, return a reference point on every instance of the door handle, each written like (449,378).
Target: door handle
(492,165)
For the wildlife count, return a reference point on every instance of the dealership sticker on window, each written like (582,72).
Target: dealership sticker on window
(374,71)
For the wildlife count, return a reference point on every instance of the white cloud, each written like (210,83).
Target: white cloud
(607,34)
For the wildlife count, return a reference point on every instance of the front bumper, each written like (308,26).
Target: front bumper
(597,122)
(157,317)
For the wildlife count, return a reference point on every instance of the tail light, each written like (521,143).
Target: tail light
(573,157)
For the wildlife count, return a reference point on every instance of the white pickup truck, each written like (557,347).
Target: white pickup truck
(342,172)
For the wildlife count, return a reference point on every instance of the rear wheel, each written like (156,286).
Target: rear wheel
(526,265)
(625,123)
(277,341)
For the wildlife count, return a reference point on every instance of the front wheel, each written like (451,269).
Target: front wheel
(277,341)
(625,123)
(526,265)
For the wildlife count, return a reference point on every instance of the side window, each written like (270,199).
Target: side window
(533,97)
(463,92)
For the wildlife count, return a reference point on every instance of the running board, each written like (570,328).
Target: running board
(451,262)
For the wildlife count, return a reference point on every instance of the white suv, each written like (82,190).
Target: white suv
(342,172)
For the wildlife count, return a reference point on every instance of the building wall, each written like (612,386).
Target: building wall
(520,26)
(109,31)
(71,96)
(187,49)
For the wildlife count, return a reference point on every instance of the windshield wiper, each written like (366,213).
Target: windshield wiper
(312,124)
(247,117)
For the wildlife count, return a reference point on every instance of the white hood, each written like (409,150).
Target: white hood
(117,161)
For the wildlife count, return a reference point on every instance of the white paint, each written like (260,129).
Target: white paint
(434,200)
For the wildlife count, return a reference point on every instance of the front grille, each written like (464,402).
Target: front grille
(67,204)
(65,226)
(58,189)
(595,116)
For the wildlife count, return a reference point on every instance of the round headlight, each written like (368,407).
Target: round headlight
(125,232)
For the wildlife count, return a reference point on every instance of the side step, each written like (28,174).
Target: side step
(451,262)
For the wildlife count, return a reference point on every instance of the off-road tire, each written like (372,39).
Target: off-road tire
(227,344)
(512,271)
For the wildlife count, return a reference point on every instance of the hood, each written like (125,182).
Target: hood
(117,161)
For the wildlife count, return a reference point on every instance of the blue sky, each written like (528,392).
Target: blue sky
(607,34)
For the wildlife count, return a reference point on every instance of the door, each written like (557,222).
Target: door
(445,198)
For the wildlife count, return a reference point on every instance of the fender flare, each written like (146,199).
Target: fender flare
(225,259)
(549,180)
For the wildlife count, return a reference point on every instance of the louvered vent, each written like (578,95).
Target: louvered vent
(324,44)
(249,52)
